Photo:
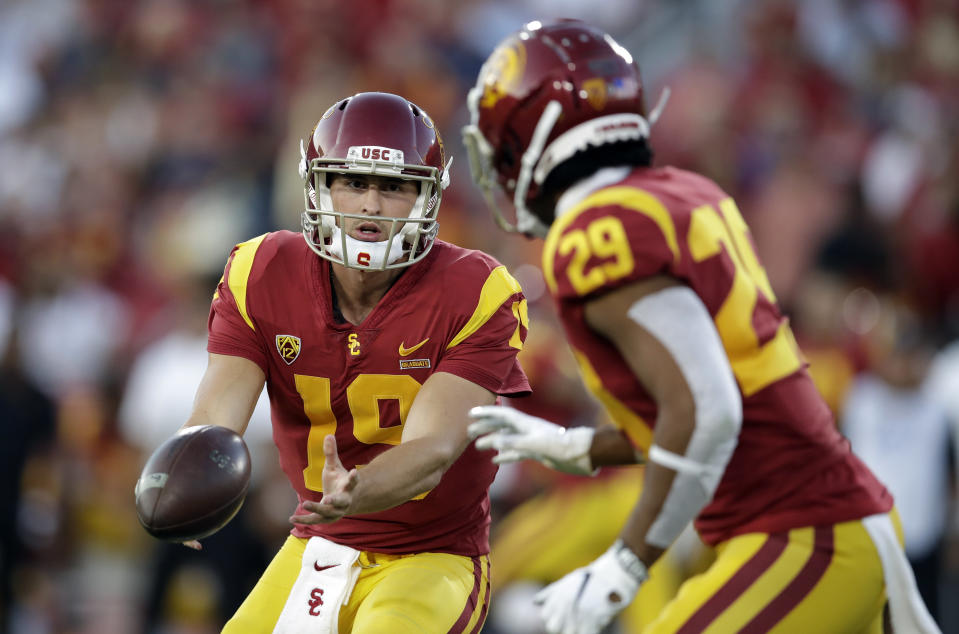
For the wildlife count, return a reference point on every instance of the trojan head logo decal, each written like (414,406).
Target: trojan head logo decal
(289,347)
(595,92)
(502,72)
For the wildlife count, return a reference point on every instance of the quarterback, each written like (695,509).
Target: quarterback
(374,339)
(677,332)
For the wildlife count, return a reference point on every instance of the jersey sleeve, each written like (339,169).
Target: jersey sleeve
(231,326)
(608,241)
(483,350)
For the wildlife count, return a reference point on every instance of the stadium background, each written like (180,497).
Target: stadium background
(140,140)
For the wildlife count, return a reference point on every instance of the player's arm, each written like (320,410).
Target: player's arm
(226,396)
(666,335)
(517,436)
(227,393)
(433,438)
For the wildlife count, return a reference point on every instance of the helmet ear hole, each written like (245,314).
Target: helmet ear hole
(509,152)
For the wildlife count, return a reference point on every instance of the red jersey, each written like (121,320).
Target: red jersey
(456,311)
(791,467)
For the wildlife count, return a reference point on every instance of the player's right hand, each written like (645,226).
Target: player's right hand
(517,436)
(587,599)
(338,486)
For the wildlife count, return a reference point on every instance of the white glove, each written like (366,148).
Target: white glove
(517,436)
(587,599)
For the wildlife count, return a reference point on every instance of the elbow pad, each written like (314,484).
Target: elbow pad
(679,320)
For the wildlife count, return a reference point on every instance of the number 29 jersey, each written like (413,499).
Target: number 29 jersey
(791,467)
(456,311)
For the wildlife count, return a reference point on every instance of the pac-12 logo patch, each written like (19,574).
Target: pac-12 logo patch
(289,347)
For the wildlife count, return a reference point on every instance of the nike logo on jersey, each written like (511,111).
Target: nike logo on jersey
(407,351)
(320,568)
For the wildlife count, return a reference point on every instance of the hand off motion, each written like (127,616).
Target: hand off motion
(338,486)
(587,599)
(517,436)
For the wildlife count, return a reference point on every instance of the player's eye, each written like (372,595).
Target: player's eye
(401,187)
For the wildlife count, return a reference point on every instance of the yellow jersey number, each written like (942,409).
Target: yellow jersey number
(363,395)
(755,366)
(605,239)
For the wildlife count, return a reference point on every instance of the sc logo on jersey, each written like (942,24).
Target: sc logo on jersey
(353,343)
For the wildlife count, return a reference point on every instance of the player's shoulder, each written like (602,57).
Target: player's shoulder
(643,202)
(672,181)
(467,273)
(453,262)
(274,244)
(652,191)
(618,225)
(267,253)
(258,266)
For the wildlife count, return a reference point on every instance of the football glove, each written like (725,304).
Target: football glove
(517,436)
(587,599)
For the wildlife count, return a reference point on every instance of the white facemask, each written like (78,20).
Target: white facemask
(371,255)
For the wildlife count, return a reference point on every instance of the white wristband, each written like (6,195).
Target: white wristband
(629,561)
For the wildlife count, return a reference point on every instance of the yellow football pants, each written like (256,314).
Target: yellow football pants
(813,579)
(424,592)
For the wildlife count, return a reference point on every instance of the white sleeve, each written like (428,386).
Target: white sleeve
(679,320)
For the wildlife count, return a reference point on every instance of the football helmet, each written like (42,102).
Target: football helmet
(546,93)
(377,134)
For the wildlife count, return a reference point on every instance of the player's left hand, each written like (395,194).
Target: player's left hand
(587,599)
(518,436)
(338,485)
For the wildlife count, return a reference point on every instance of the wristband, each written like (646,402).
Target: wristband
(629,561)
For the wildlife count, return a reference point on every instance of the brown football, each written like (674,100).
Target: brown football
(193,484)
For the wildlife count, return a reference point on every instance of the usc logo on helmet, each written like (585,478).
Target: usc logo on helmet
(502,72)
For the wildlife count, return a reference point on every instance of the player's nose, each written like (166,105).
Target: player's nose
(372,201)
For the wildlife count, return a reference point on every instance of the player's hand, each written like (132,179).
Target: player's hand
(517,436)
(338,485)
(194,544)
(587,599)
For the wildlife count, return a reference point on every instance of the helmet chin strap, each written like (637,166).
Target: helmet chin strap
(361,254)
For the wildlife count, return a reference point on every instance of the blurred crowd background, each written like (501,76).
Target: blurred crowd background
(140,140)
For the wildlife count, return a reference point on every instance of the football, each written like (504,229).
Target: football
(193,484)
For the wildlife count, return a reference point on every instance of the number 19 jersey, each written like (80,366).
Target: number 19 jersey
(791,467)
(456,311)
